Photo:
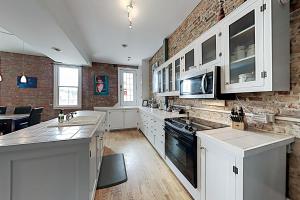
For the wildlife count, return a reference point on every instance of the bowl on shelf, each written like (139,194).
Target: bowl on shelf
(246,77)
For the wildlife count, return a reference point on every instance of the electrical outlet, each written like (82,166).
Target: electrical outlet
(263,118)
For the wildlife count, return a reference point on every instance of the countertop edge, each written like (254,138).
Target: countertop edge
(286,140)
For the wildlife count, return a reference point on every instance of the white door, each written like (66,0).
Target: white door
(128,87)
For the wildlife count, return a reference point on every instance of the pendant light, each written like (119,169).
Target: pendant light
(23,77)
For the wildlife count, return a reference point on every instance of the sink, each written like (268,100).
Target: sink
(77,121)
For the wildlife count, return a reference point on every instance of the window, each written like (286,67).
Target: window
(67,86)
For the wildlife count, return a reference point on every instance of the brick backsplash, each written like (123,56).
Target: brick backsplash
(42,68)
(201,19)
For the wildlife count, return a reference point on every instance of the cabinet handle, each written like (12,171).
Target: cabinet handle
(226,83)
(220,34)
(220,54)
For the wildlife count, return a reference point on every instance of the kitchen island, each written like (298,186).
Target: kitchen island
(52,161)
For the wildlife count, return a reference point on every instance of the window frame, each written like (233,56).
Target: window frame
(56,88)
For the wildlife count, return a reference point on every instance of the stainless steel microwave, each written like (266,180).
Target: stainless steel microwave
(203,84)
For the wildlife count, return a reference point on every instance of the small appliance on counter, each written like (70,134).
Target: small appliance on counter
(238,119)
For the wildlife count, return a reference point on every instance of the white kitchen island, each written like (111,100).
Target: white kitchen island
(45,162)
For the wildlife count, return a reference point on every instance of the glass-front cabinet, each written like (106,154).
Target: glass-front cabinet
(177,69)
(159,81)
(165,79)
(244,49)
(170,77)
(190,59)
(210,48)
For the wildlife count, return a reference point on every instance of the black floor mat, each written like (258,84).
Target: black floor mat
(113,171)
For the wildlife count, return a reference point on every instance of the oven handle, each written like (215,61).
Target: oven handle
(170,132)
(175,135)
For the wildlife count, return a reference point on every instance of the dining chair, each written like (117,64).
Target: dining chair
(34,118)
(2,110)
(23,110)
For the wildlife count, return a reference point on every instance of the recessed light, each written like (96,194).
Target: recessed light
(124,45)
(56,49)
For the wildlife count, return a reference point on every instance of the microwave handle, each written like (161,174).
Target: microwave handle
(204,84)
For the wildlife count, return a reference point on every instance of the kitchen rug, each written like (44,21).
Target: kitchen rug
(112,172)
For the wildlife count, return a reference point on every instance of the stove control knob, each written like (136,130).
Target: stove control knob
(186,127)
(191,128)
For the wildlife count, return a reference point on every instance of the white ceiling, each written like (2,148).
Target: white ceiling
(11,43)
(96,28)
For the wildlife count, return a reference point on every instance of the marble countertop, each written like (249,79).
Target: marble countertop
(161,114)
(42,133)
(115,108)
(245,143)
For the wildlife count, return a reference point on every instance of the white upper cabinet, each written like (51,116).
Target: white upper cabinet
(210,48)
(251,45)
(190,60)
(250,65)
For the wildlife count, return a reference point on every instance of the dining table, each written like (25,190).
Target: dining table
(8,122)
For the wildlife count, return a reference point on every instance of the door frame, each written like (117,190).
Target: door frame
(120,69)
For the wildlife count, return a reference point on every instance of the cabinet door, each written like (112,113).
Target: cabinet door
(243,49)
(210,50)
(130,118)
(155,82)
(93,163)
(170,77)
(116,119)
(165,79)
(189,59)
(177,67)
(159,77)
(219,177)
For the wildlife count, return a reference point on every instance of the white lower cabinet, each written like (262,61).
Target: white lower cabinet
(115,119)
(226,175)
(122,119)
(153,129)
(96,153)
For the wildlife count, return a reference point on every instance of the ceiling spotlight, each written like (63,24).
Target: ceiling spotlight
(130,13)
(56,49)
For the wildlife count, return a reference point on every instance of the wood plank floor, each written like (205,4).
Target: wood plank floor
(149,177)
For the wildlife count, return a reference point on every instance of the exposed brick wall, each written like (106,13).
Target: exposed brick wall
(89,100)
(42,68)
(281,103)
(35,66)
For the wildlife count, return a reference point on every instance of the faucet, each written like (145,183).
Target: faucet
(70,116)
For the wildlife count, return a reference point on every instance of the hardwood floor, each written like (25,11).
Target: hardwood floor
(149,177)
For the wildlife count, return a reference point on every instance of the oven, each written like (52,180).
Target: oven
(181,150)
(201,84)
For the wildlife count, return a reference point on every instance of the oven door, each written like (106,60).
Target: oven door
(182,151)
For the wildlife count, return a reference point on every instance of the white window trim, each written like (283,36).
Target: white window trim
(119,91)
(55,92)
